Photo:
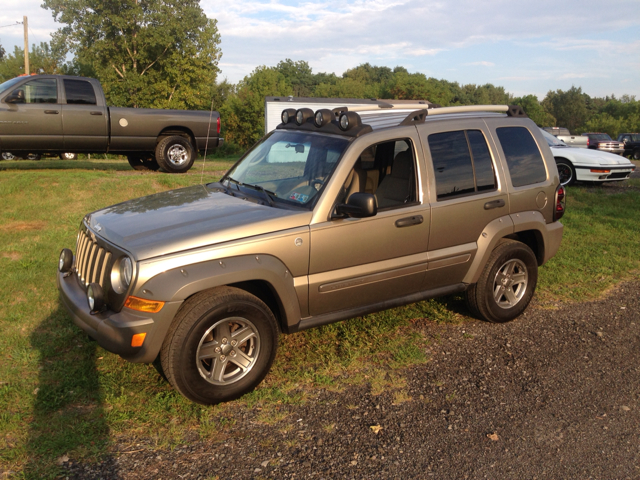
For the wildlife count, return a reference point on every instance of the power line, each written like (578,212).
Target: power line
(12,25)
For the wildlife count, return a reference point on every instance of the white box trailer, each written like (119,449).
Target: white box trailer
(273,106)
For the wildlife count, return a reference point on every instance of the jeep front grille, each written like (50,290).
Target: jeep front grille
(92,260)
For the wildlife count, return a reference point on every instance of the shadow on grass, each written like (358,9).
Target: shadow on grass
(68,417)
(65,165)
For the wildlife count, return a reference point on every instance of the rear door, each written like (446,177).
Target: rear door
(84,117)
(35,123)
(467,192)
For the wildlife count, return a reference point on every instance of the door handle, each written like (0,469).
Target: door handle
(494,204)
(96,113)
(407,222)
(51,112)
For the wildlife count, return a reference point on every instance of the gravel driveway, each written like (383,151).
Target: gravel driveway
(553,395)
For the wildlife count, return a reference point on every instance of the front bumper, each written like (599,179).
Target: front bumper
(113,330)
(616,173)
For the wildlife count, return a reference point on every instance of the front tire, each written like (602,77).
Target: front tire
(566,172)
(220,345)
(175,154)
(143,162)
(636,154)
(506,284)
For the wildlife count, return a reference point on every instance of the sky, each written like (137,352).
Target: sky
(525,46)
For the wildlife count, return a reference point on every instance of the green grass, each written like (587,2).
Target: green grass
(61,394)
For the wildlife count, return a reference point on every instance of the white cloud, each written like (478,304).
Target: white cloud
(482,64)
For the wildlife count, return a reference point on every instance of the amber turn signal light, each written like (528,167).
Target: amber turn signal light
(143,305)
(138,339)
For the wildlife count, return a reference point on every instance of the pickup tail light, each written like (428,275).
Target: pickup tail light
(218,125)
(560,204)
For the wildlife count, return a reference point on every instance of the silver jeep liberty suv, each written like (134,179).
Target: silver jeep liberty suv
(335,214)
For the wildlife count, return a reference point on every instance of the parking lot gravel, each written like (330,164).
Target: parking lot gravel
(552,395)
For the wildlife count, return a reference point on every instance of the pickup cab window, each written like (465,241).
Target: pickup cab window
(79,92)
(41,90)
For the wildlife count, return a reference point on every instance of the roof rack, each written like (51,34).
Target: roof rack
(511,110)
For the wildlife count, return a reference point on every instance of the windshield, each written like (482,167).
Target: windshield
(290,166)
(635,137)
(552,141)
(9,83)
(601,137)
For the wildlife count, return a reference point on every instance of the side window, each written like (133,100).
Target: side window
(79,92)
(42,90)
(525,162)
(462,163)
(386,170)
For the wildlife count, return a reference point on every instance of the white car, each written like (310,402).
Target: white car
(583,165)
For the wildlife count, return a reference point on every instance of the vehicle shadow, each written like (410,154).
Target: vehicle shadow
(68,419)
(64,165)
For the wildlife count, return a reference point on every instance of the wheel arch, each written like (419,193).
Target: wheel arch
(264,276)
(178,130)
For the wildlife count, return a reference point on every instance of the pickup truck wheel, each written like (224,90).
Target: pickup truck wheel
(566,172)
(220,345)
(175,154)
(636,154)
(34,156)
(68,156)
(506,284)
(142,162)
(9,156)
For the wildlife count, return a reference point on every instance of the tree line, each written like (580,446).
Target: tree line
(165,54)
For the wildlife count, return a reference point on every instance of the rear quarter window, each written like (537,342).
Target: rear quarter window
(523,156)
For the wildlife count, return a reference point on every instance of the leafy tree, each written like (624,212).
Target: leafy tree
(243,113)
(43,58)
(2,52)
(569,108)
(146,53)
(535,111)
(299,76)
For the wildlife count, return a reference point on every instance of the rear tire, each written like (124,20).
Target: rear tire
(220,345)
(143,162)
(175,154)
(506,284)
(566,172)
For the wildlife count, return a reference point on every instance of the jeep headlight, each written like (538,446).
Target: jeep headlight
(121,274)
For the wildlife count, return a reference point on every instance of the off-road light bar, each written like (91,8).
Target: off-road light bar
(303,114)
(288,114)
(349,120)
(323,117)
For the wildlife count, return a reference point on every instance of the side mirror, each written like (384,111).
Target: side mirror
(359,205)
(17,96)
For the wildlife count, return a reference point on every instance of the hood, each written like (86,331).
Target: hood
(590,156)
(187,218)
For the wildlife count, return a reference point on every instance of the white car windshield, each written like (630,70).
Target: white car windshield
(552,141)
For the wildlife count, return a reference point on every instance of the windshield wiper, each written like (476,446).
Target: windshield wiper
(229,179)
(267,193)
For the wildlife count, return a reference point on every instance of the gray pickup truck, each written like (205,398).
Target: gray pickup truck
(58,113)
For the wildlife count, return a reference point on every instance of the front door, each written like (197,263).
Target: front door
(35,123)
(364,261)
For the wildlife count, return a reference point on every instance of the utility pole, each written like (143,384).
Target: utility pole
(26,44)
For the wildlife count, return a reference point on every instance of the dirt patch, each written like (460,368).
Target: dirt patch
(23,226)
(13,256)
